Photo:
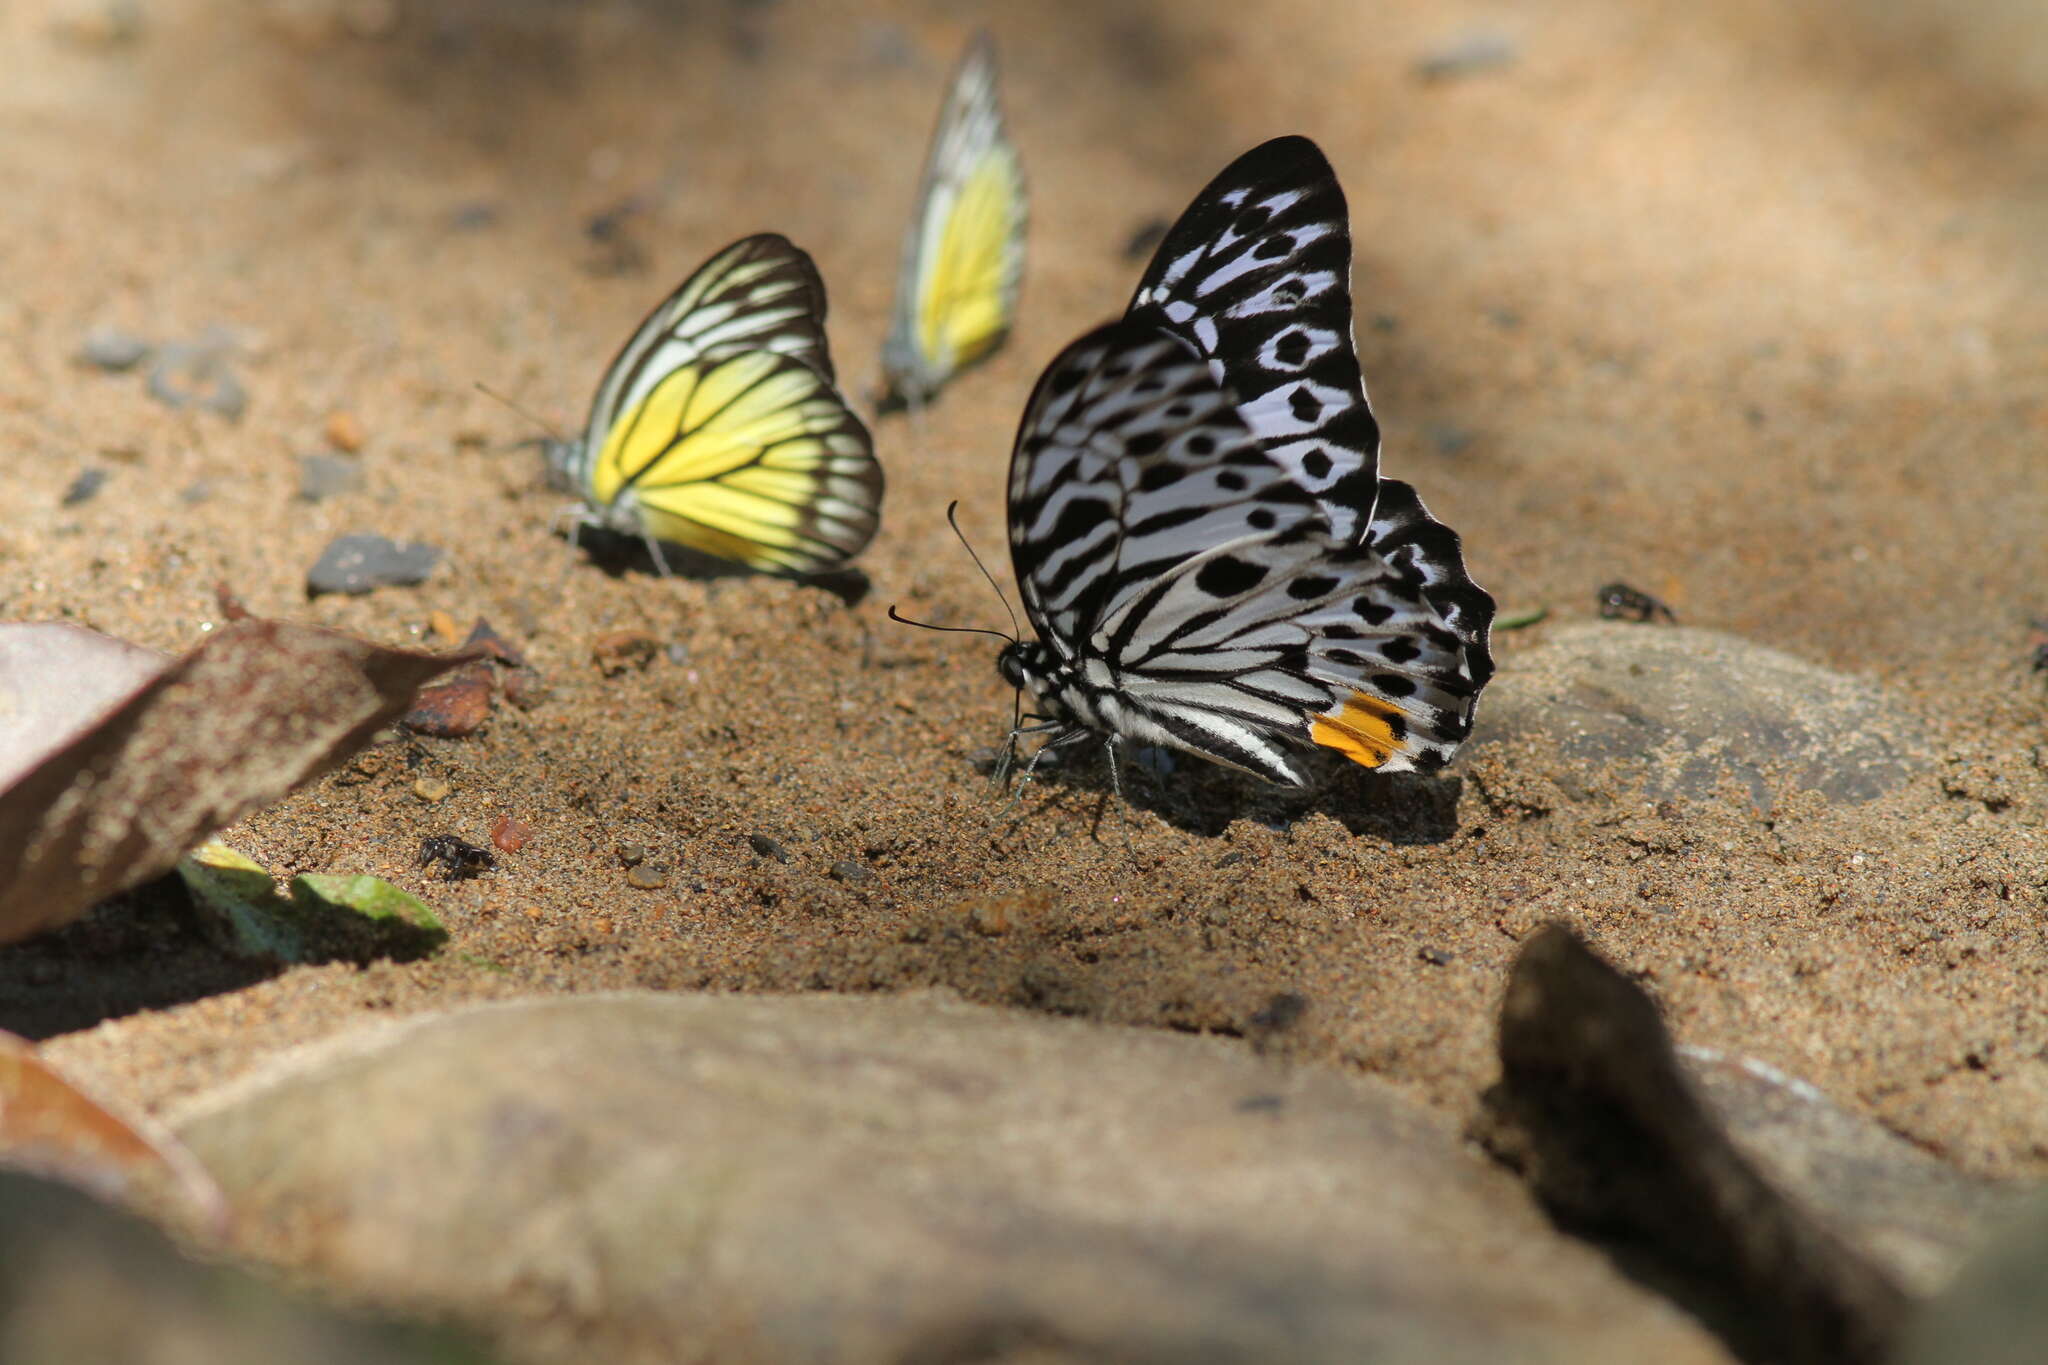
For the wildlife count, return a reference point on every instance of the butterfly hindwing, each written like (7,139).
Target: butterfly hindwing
(963,257)
(1188,591)
(1256,275)
(718,427)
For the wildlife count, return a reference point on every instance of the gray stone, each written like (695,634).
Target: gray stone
(834,1179)
(1996,1311)
(198,374)
(1594,1110)
(1678,711)
(355,564)
(85,487)
(1467,56)
(112,350)
(1912,1213)
(81,1282)
(326,476)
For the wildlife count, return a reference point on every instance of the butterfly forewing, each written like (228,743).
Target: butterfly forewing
(759,294)
(1189,590)
(1256,275)
(718,426)
(753,458)
(963,257)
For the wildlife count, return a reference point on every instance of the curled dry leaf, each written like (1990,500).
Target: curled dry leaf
(50,1127)
(111,765)
(456,707)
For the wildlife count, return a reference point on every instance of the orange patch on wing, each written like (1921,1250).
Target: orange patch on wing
(1364,730)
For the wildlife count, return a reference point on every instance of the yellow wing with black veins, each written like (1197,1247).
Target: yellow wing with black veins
(963,258)
(753,458)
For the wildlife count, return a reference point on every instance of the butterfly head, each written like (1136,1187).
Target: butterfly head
(565,464)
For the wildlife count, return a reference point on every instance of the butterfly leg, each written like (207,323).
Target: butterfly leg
(1114,746)
(660,561)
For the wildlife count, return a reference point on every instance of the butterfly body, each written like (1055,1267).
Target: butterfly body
(1204,547)
(718,427)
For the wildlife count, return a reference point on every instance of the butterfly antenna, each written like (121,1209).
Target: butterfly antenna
(550,428)
(953,520)
(900,619)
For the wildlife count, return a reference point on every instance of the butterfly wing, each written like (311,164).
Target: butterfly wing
(1193,589)
(963,256)
(754,458)
(1256,275)
(718,427)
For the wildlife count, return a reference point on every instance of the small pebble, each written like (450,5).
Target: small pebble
(453,708)
(98,25)
(1283,1010)
(196,493)
(620,650)
(232,608)
(523,688)
(1146,239)
(511,835)
(344,432)
(85,486)
(1467,56)
(1435,957)
(431,789)
(441,626)
(355,564)
(990,919)
(187,375)
(647,877)
(326,476)
(768,848)
(632,855)
(850,872)
(112,350)
(1447,437)
(361,769)
(473,217)
(677,654)
(482,637)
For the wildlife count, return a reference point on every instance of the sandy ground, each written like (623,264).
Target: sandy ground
(1737,303)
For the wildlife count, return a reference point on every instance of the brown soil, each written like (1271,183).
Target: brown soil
(1737,303)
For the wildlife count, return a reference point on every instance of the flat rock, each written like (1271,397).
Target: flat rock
(839,1179)
(356,564)
(323,476)
(1914,1214)
(1995,1312)
(81,1282)
(1677,711)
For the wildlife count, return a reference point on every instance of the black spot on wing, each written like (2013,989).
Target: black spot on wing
(1310,587)
(1161,474)
(1228,576)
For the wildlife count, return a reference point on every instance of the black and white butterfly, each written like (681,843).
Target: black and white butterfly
(1203,543)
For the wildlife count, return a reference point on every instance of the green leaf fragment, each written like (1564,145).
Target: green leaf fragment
(1516,620)
(241,895)
(327,917)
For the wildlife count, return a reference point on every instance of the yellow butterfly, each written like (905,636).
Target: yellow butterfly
(718,428)
(964,254)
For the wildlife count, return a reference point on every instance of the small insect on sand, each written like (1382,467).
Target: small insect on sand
(457,858)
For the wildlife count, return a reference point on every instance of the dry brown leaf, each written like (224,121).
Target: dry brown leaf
(48,1126)
(130,784)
